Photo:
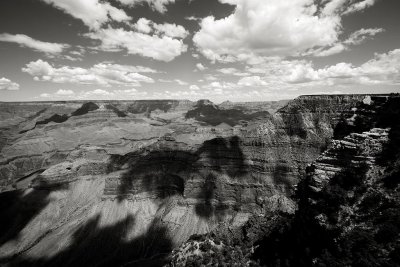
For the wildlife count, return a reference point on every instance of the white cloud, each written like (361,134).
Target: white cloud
(103,73)
(210,77)
(63,92)
(220,85)
(172,30)
(359,6)
(93,13)
(6,84)
(355,38)
(266,27)
(100,92)
(192,18)
(194,87)
(159,47)
(361,35)
(159,5)
(382,69)
(26,41)
(232,71)
(200,66)
(180,82)
(97,94)
(271,28)
(252,81)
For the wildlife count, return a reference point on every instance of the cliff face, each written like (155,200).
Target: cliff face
(157,170)
(348,205)
(348,213)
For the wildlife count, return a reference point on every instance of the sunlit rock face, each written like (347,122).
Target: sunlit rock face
(114,176)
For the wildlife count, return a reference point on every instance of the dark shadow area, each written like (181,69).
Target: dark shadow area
(213,115)
(302,240)
(55,118)
(147,106)
(93,245)
(294,125)
(118,112)
(18,208)
(322,233)
(164,168)
(281,175)
(85,108)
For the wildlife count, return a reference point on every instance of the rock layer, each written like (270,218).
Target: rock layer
(147,169)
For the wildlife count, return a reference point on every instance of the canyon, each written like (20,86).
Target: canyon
(123,183)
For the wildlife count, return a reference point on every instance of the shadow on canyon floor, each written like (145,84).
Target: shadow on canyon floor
(18,208)
(94,245)
(164,169)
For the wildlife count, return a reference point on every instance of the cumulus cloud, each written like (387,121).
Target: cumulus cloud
(355,38)
(93,13)
(158,5)
(172,30)
(272,28)
(200,66)
(194,87)
(96,94)
(232,71)
(220,85)
(157,46)
(103,74)
(6,84)
(266,27)
(180,82)
(26,41)
(382,69)
(63,92)
(252,81)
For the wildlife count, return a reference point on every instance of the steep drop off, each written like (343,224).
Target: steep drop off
(133,187)
(348,205)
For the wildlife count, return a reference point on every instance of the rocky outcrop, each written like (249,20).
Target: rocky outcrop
(147,170)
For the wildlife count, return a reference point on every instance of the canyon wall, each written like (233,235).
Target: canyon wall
(149,170)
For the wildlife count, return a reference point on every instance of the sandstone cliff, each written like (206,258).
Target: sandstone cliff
(144,176)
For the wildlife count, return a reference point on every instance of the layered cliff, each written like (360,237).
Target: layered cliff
(348,205)
(137,172)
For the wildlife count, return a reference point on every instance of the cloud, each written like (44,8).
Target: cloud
(6,84)
(200,66)
(220,85)
(172,30)
(26,41)
(103,74)
(359,6)
(180,82)
(382,69)
(98,92)
(192,18)
(194,87)
(93,13)
(355,38)
(158,5)
(232,71)
(252,81)
(270,28)
(160,47)
(63,92)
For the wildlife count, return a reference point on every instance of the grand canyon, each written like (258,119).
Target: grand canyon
(144,183)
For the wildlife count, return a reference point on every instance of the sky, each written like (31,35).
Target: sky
(237,50)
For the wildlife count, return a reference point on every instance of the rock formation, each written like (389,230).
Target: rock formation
(114,177)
